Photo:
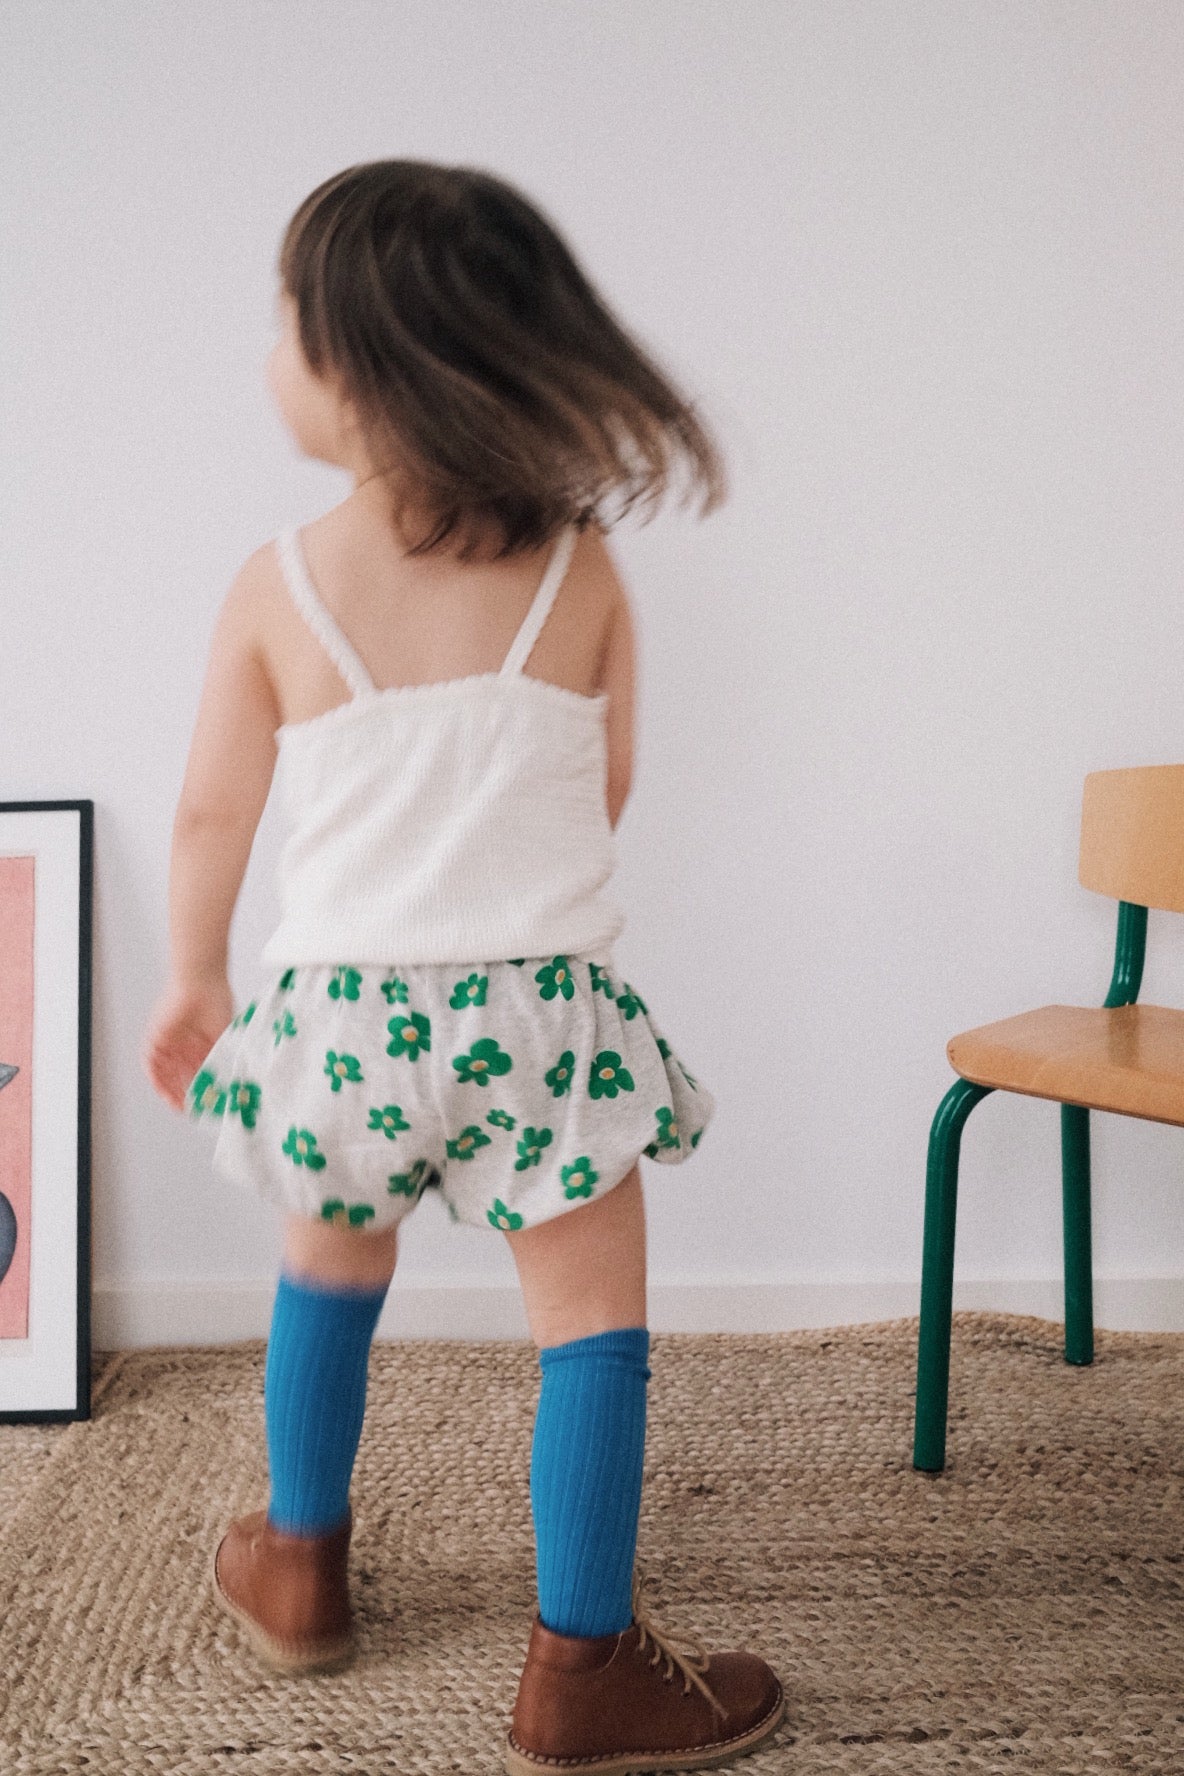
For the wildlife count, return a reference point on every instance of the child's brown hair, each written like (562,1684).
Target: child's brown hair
(485,371)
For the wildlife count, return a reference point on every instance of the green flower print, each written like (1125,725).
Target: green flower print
(241,1097)
(502,1119)
(411,1036)
(530,1147)
(555,976)
(607,1076)
(469,992)
(244,1017)
(340,1067)
(500,1216)
(206,1096)
(630,1003)
(691,1081)
(395,990)
(285,1026)
(301,1147)
(345,982)
(467,1142)
(668,1135)
(409,1183)
(389,1119)
(652,1149)
(244,1100)
(560,1076)
(664,1048)
(578,1178)
(483,1060)
(336,1210)
(601,980)
(516,961)
(287,979)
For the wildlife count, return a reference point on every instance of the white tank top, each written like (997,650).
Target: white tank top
(457,821)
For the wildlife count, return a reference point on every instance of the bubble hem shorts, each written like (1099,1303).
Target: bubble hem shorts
(518,1089)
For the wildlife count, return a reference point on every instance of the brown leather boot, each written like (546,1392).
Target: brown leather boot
(615,1703)
(290,1592)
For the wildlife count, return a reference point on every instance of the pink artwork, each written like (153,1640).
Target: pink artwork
(16,1096)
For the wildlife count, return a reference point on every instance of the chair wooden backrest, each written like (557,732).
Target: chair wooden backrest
(1132,836)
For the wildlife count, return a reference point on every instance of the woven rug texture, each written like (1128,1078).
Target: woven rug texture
(1022,1611)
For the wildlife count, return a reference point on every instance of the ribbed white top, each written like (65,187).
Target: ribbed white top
(459,821)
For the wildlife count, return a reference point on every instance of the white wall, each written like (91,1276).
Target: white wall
(921,264)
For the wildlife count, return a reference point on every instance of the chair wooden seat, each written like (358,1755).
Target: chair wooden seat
(1126,1058)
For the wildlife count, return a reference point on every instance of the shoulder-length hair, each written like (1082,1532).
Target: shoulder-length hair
(489,380)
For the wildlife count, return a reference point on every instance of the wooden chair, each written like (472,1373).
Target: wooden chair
(1122,1057)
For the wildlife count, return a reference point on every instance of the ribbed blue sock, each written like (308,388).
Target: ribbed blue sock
(314,1395)
(585,1479)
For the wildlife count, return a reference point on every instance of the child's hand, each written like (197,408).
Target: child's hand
(186,1022)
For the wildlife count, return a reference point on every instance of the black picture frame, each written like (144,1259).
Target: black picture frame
(48,1378)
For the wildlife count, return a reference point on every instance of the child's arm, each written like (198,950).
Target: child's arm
(618,677)
(227,778)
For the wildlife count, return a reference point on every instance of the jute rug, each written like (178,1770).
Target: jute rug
(1023,1611)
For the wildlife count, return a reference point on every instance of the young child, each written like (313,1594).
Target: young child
(443,667)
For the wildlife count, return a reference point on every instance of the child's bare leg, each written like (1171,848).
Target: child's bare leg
(348,1257)
(583,1272)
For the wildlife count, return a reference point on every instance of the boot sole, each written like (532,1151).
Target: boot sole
(621,1763)
(327,1656)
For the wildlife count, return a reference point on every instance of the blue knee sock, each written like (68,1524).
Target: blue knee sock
(585,1479)
(314,1393)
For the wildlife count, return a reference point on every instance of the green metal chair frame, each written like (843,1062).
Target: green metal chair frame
(941,1203)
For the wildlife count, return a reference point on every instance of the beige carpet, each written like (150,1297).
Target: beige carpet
(1023,1611)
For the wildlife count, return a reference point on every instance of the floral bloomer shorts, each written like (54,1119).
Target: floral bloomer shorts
(519,1089)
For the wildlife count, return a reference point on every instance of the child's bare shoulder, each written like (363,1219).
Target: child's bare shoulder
(252,597)
(595,555)
(595,560)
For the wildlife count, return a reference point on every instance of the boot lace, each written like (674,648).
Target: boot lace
(692,1665)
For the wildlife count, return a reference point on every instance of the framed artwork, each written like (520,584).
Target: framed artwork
(46,876)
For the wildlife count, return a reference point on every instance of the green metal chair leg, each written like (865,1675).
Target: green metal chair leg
(1079,1288)
(937,1274)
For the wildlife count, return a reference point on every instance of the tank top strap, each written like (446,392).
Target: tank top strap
(541,603)
(307,601)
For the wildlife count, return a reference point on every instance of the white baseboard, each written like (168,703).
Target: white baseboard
(135,1315)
